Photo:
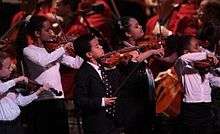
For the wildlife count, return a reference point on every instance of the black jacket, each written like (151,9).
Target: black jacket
(136,100)
(89,92)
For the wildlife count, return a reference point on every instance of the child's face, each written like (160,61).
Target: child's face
(96,49)
(62,9)
(194,45)
(6,69)
(46,33)
(135,29)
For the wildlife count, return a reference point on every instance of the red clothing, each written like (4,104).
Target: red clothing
(151,23)
(77,28)
(181,22)
(184,15)
(99,19)
(68,81)
(17,17)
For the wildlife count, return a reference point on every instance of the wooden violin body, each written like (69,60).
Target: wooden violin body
(29,87)
(33,86)
(150,42)
(111,59)
(205,66)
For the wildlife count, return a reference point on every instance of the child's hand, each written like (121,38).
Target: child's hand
(213,58)
(41,89)
(109,101)
(21,78)
(161,51)
(46,86)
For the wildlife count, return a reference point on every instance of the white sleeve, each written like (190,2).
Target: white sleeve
(214,81)
(43,60)
(73,62)
(25,100)
(6,85)
(184,63)
(103,102)
(184,67)
(191,57)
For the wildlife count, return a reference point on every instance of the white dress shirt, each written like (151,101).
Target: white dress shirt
(51,76)
(195,89)
(6,85)
(9,105)
(96,67)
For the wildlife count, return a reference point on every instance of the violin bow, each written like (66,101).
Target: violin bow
(22,71)
(57,93)
(159,16)
(22,68)
(117,91)
(115,9)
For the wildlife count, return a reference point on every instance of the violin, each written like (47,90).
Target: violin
(114,59)
(150,42)
(111,59)
(57,42)
(32,86)
(206,65)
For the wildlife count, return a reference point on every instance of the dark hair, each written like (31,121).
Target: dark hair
(122,26)
(183,44)
(212,10)
(44,3)
(82,45)
(172,43)
(35,24)
(211,28)
(73,3)
(3,56)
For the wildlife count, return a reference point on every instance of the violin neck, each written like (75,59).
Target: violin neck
(121,51)
(128,49)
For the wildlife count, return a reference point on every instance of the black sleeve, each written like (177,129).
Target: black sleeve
(84,101)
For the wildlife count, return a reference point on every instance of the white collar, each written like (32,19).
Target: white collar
(96,67)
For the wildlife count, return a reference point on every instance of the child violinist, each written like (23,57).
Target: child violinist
(196,109)
(137,96)
(10,100)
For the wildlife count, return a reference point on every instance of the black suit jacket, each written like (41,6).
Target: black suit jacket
(135,106)
(89,92)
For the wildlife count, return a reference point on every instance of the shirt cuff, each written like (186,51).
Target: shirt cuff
(103,102)
(12,83)
(34,95)
(62,49)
